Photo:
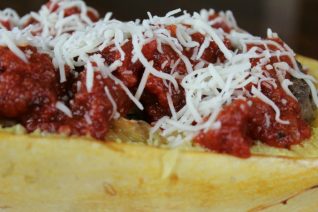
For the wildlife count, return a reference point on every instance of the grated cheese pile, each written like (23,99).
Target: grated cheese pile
(10,16)
(75,41)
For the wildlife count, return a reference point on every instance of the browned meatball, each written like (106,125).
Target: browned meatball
(302,93)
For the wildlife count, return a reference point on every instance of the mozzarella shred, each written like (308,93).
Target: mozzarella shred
(142,83)
(6,40)
(62,107)
(89,76)
(115,114)
(127,91)
(10,16)
(76,41)
(268,101)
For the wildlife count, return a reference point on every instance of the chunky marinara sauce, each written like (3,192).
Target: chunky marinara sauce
(243,122)
(30,92)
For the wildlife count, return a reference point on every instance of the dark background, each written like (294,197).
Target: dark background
(296,21)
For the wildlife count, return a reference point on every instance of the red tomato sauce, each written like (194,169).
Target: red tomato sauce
(243,122)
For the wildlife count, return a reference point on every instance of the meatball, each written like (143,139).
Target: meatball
(302,92)
(24,86)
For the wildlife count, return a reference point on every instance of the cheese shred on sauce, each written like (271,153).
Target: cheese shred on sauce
(75,41)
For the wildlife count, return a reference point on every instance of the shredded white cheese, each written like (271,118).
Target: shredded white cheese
(62,107)
(115,114)
(89,76)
